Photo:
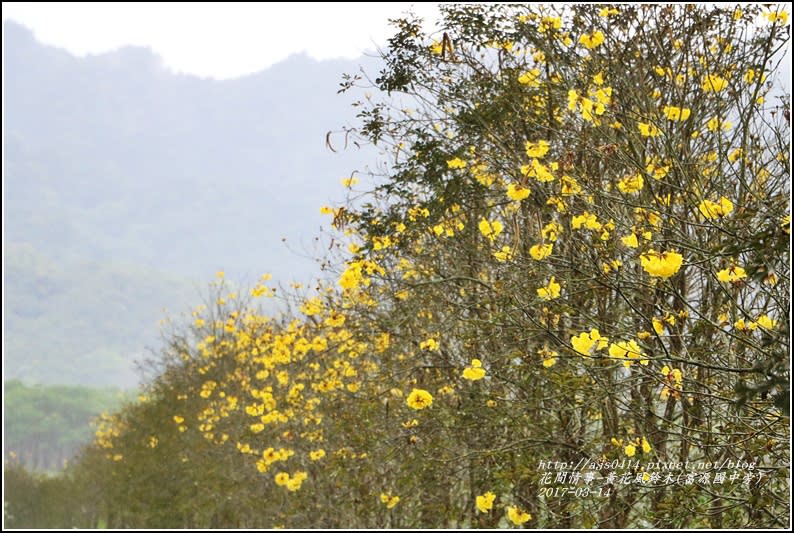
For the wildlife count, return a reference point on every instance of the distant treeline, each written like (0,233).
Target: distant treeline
(34,500)
(44,426)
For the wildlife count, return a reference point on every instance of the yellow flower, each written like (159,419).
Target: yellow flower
(436,48)
(313,306)
(207,388)
(538,171)
(549,356)
(517,516)
(505,254)
(775,16)
(628,351)
(430,344)
(589,108)
(573,98)
(676,113)
(388,500)
(569,186)
(296,481)
(631,184)
(584,342)
(550,231)
(530,78)
(382,342)
(675,376)
(446,389)
(491,230)
(541,251)
(484,502)
(715,124)
(260,290)
(549,23)
(630,450)
(765,322)
(178,419)
(658,326)
(712,210)
(593,40)
(419,399)
(537,149)
(317,454)
(517,192)
(612,265)
(714,83)
(484,178)
(731,274)
(380,243)
(586,219)
(282,478)
(630,240)
(661,264)
(608,11)
(558,204)
(334,320)
(414,422)
(648,130)
(550,291)
(646,446)
(475,371)
(742,326)
(456,163)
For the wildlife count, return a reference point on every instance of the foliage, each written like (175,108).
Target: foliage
(42,501)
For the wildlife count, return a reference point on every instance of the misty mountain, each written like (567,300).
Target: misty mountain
(126,186)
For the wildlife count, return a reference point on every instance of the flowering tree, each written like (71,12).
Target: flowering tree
(587,220)
(562,303)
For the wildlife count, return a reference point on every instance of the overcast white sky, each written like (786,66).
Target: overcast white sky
(213,39)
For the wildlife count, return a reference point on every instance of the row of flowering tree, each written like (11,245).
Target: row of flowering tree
(561,300)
